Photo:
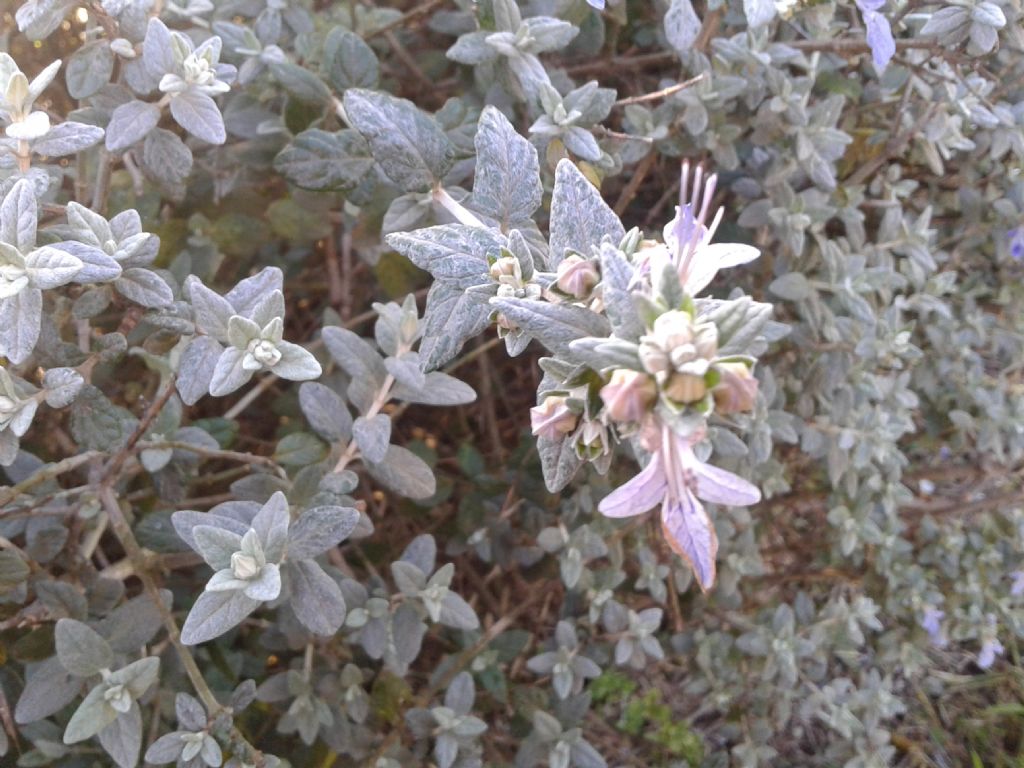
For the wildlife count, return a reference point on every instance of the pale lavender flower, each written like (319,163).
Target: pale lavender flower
(677,479)
(599,4)
(989,650)
(688,235)
(931,622)
(879,33)
(1017,588)
(1015,238)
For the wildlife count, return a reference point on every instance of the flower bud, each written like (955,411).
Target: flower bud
(670,337)
(552,418)
(736,389)
(686,388)
(628,395)
(577,277)
(592,441)
(244,566)
(507,269)
(123,48)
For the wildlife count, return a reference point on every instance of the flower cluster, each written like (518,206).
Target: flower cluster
(656,382)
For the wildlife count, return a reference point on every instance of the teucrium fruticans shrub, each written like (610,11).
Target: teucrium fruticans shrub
(770,255)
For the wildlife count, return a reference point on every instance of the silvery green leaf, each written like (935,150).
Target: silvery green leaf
(296,363)
(130,123)
(138,676)
(408,144)
(271,524)
(185,522)
(421,552)
(98,424)
(20,316)
(460,694)
(214,613)
(248,293)
(300,83)
(950,24)
(49,267)
(60,597)
(67,138)
(545,33)
(682,26)
(507,184)
(229,374)
(759,12)
(405,473)
(739,323)
(472,48)
(299,449)
(372,436)
(316,598)
(166,157)
(38,19)
(355,355)
(450,252)
(89,69)
(196,367)
(409,579)
(92,716)
(407,631)
(446,749)
(97,266)
(48,689)
(348,62)
(157,49)
(326,411)
(19,216)
(580,218)
(320,529)
(457,613)
(198,114)
(216,545)
(145,287)
(792,287)
(213,311)
(166,749)
(155,459)
(323,161)
(438,389)
(452,317)
(122,739)
(62,386)
(581,143)
(601,354)
(553,325)
(585,756)
(406,370)
(559,461)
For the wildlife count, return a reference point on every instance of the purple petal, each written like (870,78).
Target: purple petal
(721,487)
(599,4)
(689,532)
(711,258)
(989,650)
(640,494)
(880,40)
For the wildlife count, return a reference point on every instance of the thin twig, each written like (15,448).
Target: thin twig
(662,94)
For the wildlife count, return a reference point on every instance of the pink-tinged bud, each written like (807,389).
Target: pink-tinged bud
(628,395)
(507,270)
(686,388)
(592,441)
(552,418)
(577,277)
(736,389)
